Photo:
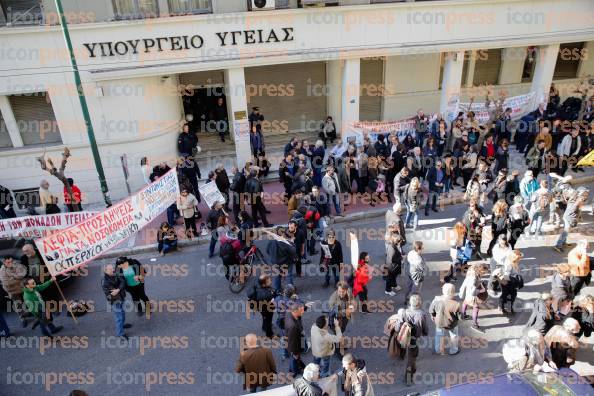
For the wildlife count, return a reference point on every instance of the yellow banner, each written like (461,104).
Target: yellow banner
(588,160)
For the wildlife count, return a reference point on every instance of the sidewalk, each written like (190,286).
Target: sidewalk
(146,239)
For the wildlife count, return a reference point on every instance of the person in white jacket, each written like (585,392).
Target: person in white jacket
(500,253)
(323,343)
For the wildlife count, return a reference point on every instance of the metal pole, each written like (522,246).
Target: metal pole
(83,105)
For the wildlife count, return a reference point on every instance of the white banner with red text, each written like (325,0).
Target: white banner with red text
(75,246)
(40,226)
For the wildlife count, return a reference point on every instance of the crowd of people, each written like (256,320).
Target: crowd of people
(414,174)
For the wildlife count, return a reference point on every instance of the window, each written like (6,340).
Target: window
(486,68)
(35,119)
(182,7)
(22,12)
(568,60)
(5,141)
(135,9)
(529,64)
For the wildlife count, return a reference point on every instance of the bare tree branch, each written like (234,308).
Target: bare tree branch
(48,166)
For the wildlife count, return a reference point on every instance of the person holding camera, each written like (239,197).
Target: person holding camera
(331,258)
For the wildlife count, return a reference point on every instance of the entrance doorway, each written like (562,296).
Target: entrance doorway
(208,107)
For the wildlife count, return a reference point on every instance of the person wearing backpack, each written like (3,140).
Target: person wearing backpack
(230,248)
(540,203)
(417,269)
(410,326)
(445,311)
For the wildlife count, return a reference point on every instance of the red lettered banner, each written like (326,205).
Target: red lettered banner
(75,246)
(40,226)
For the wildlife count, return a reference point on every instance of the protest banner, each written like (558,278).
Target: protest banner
(587,160)
(40,226)
(355,132)
(68,249)
(520,106)
(211,194)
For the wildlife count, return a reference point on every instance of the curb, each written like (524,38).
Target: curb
(366,215)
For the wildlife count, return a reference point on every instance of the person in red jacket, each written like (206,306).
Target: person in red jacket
(362,278)
(73,203)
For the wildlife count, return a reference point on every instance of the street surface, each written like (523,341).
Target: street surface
(190,345)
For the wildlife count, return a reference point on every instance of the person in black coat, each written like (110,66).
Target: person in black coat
(189,168)
(260,299)
(114,288)
(542,317)
(6,204)
(294,333)
(222,182)
(331,258)
(436,178)
(237,189)
(255,119)
(254,189)
(186,141)
(219,114)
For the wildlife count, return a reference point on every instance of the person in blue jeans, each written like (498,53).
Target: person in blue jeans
(166,239)
(445,312)
(576,200)
(412,200)
(114,288)
(323,343)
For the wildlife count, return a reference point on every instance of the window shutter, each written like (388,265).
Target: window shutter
(35,118)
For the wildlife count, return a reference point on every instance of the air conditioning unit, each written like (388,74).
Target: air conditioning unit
(263,5)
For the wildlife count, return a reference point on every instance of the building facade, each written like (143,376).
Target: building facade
(147,65)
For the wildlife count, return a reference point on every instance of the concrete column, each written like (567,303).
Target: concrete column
(10,121)
(512,65)
(586,66)
(351,81)
(238,113)
(452,79)
(546,58)
(470,70)
(333,91)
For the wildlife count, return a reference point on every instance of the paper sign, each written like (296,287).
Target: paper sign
(211,194)
(354,250)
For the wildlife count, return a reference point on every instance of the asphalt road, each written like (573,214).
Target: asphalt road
(190,345)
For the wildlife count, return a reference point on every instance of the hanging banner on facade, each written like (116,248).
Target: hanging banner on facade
(355,132)
(520,106)
(75,246)
(40,226)
(211,194)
